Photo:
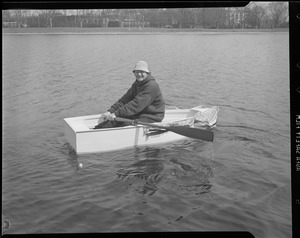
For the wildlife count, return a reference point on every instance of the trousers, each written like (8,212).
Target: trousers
(111,124)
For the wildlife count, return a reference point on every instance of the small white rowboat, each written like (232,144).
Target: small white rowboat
(84,139)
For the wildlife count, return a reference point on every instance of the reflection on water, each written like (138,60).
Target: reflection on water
(157,168)
(144,175)
(192,179)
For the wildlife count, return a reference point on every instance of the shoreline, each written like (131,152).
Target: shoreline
(132,30)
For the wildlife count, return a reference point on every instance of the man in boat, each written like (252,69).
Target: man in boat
(143,101)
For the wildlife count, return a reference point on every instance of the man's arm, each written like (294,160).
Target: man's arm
(127,97)
(139,102)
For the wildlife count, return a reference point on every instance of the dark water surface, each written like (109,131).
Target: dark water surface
(240,182)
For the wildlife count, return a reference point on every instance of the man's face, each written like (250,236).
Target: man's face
(140,75)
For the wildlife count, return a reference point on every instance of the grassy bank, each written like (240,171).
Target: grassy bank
(101,30)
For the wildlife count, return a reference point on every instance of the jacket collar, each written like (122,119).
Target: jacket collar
(149,77)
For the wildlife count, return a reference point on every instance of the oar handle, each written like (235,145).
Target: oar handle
(133,122)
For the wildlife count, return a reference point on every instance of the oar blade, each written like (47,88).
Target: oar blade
(193,132)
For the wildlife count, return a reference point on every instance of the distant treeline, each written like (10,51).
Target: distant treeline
(254,15)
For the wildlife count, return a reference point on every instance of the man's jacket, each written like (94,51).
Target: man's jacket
(143,100)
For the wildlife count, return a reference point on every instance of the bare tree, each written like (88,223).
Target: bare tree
(193,16)
(143,14)
(148,15)
(79,17)
(277,12)
(203,20)
(216,17)
(6,15)
(184,17)
(258,13)
(19,16)
(48,16)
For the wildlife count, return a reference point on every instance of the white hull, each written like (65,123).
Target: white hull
(84,139)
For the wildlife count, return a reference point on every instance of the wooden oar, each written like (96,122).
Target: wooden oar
(192,132)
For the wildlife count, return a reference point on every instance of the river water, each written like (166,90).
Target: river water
(240,182)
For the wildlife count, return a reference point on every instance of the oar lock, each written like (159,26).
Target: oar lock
(150,132)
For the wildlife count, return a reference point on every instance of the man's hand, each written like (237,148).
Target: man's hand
(103,117)
(111,117)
